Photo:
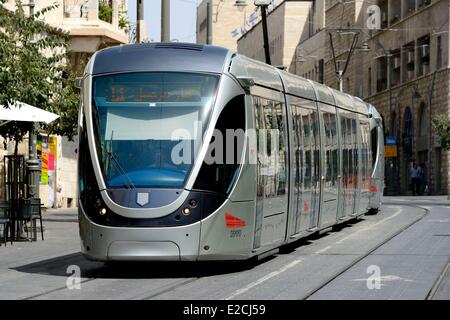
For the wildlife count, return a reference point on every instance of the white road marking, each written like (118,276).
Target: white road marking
(322,250)
(263,279)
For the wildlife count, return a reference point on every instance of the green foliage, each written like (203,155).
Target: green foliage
(441,125)
(104,12)
(33,70)
(123,22)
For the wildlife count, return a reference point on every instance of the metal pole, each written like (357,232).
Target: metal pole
(208,22)
(139,19)
(265,34)
(33,169)
(165,20)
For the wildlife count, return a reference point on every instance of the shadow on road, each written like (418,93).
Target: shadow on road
(58,266)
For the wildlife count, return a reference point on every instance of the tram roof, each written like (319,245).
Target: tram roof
(172,56)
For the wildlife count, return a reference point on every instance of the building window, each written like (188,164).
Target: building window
(409,7)
(381,73)
(395,12)
(439,52)
(407,132)
(423,56)
(423,120)
(383,4)
(408,61)
(395,67)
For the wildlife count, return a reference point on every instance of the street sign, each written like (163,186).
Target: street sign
(390,151)
(391,140)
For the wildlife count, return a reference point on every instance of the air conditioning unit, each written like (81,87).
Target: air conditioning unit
(425,68)
(410,57)
(397,62)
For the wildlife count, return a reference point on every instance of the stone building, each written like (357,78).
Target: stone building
(288,24)
(90,29)
(228,21)
(400,64)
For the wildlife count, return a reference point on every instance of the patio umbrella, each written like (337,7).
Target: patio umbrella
(24,112)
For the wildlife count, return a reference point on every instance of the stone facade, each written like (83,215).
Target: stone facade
(288,24)
(227,22)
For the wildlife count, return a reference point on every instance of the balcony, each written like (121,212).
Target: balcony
(92,23)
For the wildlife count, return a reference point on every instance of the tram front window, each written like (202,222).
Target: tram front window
(149,126)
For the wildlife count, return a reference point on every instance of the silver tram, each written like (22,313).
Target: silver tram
(315,159)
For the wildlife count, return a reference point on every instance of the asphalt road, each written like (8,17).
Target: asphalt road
(402,252)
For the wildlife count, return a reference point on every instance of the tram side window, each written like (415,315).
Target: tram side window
(220,176)
(271,147)
(281,173)
(374,143)
(307,148)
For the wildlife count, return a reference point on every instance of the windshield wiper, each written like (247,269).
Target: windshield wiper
(119,168)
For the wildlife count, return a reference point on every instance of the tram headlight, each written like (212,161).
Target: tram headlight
(102,211)
(186,211)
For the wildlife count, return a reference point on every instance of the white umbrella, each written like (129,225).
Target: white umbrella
(24,112)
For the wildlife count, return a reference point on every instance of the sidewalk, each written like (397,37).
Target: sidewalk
(60,215)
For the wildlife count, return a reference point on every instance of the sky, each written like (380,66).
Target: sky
(183,14)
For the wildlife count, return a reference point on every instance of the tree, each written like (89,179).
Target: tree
(441,125)
(34,70)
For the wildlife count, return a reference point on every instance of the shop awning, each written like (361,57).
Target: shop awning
(24,112)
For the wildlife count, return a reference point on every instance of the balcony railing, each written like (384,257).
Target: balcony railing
(92,10)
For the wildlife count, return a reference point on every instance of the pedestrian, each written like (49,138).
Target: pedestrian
(423,178)
(415,178)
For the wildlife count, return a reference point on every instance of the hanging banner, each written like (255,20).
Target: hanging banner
(44,173)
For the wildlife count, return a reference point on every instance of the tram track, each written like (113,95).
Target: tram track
(368,253)
(163,289)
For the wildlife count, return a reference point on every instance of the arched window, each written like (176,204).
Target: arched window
(423,120)
(407,130)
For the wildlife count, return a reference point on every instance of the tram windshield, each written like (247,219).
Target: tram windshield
(149,126)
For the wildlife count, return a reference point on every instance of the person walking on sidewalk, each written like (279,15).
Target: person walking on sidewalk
(415,178)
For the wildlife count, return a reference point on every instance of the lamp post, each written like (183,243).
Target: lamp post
(165,20)
(33,168)
(263,4)
(139,20)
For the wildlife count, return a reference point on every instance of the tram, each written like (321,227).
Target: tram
(193,152)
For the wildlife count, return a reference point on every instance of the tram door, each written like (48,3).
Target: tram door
(303,213)
(272,170)
(366,167)
(349,166)
(330,185)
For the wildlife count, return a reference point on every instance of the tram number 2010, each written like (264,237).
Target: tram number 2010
(246,309)
(235,233)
